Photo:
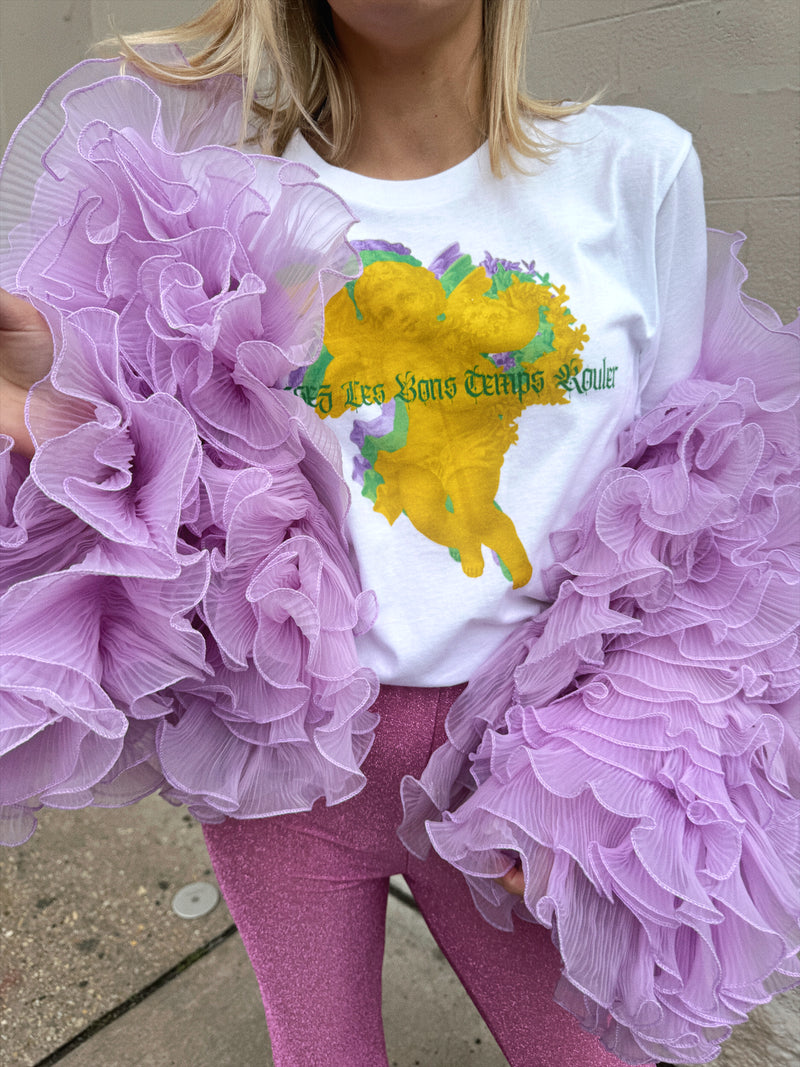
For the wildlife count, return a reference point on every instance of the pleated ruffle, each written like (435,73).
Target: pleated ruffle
(632,747)
(179,606)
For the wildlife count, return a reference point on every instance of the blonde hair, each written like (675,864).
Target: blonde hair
(294,76)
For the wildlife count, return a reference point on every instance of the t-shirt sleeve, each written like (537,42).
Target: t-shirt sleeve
(680,261)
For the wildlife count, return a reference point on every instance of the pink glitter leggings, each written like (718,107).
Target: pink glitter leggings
(308,894)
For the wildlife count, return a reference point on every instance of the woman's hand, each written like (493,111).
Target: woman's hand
(513,881)
(26,354)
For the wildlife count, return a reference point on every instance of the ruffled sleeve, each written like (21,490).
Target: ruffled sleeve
(179,606)
(633,746)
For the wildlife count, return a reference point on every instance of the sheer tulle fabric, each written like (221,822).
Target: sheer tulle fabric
(632,746)
(179,605)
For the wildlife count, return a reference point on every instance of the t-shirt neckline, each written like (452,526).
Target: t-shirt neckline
(448,184)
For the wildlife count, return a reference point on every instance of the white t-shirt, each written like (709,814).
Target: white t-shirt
(503,332)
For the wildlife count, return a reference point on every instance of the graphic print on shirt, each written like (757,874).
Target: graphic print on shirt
(453,354)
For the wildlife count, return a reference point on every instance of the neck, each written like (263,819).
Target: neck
(419,99)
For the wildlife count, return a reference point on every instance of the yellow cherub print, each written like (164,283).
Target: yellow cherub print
(398,329)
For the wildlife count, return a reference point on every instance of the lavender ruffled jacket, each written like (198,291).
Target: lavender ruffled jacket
(179,604)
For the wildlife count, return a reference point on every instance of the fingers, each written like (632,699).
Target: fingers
(17,315)
(26,344)
(12,418)
(513,882)
(26,353)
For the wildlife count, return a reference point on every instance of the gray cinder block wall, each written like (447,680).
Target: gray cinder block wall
(725,69)
(728,71)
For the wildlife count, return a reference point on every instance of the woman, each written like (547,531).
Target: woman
(512,315)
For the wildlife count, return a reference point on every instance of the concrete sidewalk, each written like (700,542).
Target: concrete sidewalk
(97,970)
(91,947)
